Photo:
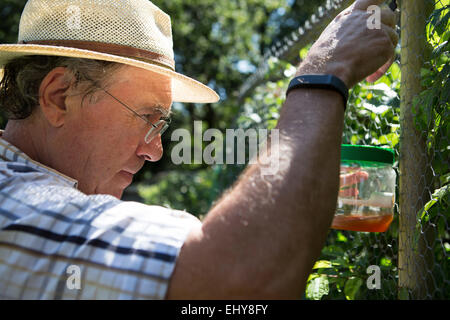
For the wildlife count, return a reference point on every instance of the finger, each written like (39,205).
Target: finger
(353,178)
(364,4)
(349,192)
(380,72)
(393,36)
(391,33)
(362,176)
(389,18)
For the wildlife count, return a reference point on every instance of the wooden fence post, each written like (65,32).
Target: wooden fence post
(414,250)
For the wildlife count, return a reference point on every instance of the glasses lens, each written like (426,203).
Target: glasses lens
(157,129)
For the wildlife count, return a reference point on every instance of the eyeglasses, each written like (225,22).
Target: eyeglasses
(157,128)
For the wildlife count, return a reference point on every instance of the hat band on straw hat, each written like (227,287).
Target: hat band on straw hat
(131,32)
(111,48)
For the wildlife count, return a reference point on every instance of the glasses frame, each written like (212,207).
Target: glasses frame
(155,130)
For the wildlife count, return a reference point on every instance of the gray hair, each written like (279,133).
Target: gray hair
(22,77)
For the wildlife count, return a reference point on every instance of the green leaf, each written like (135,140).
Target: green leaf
(352,287)
(439,49)
(333,251)
(341,237)
(386,262)
(322,264)
(445,178)
(317,288)
(441,194)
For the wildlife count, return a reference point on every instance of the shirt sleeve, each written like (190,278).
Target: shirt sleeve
(58,243)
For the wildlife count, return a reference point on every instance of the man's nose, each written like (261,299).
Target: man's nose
(152,151)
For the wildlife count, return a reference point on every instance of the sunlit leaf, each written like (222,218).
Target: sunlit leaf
(317,288)
(322,264)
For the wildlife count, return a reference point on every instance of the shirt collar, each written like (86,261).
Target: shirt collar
(9,152)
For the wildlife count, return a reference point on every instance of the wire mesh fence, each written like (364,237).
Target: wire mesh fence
(406,110)
(423,150)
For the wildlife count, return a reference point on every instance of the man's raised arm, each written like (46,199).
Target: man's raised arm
(260,241)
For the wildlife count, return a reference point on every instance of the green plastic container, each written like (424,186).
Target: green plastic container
(367,189)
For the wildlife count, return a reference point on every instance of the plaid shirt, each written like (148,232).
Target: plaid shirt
(59,243)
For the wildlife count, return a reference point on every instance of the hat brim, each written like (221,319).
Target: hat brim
(184,89)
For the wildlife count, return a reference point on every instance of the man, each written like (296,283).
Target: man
(89,125)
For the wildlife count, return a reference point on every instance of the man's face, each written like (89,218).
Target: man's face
(103,141)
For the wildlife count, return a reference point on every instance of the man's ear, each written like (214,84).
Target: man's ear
(52,96)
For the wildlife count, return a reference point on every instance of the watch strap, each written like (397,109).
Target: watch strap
(327,81)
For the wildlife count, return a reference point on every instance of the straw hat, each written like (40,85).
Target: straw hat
(132,32)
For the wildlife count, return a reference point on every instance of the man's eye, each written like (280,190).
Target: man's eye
(151,117)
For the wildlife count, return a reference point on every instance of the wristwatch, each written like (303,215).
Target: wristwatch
(315,81)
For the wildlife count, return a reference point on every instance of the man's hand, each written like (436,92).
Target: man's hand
(347,182)
(262,238)
(350,50)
